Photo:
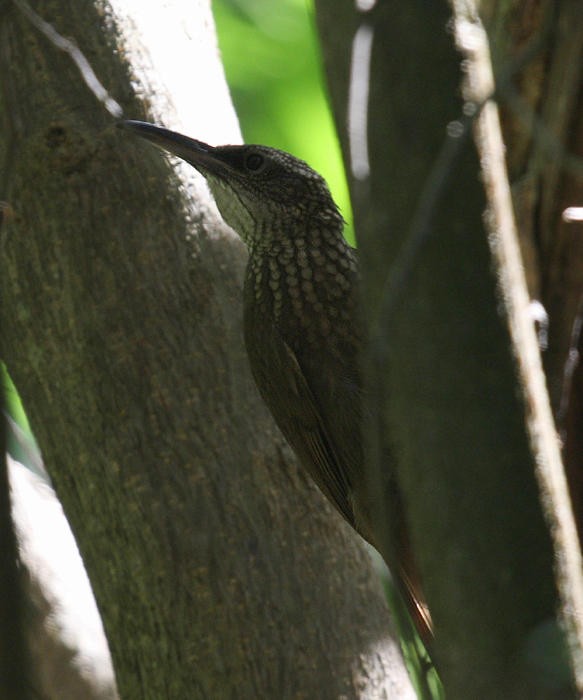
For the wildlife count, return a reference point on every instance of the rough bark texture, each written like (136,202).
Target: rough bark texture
(545,162)
(452,408)
(219,570)
(543,130)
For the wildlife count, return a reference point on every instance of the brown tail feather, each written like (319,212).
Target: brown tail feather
(411,592)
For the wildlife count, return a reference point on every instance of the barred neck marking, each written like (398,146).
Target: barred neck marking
(276,234)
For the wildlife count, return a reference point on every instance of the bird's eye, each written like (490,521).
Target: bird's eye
(254,162)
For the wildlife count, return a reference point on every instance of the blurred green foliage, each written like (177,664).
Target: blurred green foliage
(12,402)
(20,441)
(271,56)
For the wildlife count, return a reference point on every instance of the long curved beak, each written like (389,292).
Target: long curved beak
(197,153)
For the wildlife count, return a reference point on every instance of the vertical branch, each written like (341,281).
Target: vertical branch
(127,351)
(505,247)
(452,410)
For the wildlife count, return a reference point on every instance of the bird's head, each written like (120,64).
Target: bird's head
(262,193)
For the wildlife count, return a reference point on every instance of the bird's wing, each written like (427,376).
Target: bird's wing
(285,389)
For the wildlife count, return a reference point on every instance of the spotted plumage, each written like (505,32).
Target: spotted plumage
(303,325)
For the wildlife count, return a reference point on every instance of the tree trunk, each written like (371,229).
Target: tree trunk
(218,569)
(456,405)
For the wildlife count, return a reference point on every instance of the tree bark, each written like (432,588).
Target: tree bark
(218,569)
(455,410)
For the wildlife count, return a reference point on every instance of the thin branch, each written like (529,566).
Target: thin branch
(77,56)
(506,251)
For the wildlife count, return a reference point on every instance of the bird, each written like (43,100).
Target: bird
(304,328)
